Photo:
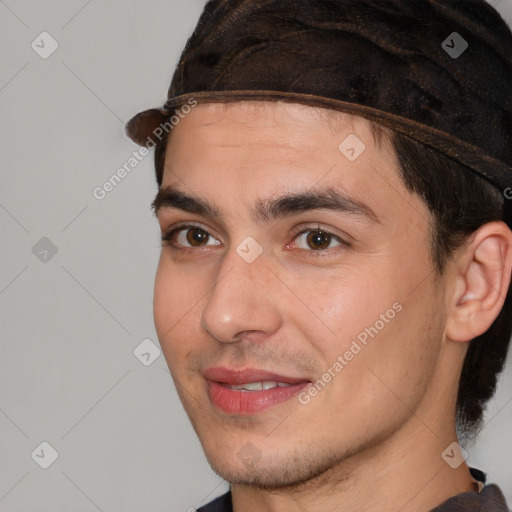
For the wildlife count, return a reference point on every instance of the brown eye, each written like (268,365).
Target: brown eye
(197,237)
(188,237)
(318,240)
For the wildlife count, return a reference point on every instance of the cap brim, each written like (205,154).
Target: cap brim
(141,127)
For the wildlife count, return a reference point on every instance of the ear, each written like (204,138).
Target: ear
(482,276)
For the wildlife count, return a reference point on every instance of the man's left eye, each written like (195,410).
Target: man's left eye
(317,240)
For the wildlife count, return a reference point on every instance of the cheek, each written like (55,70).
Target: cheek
(389,341)
(176,302)
(164,300)
(367,315)
(338,307)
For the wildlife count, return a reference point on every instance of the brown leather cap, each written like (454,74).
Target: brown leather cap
(439,71)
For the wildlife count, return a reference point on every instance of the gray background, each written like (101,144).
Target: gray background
(70,321)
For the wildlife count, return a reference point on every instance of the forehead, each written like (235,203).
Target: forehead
(276,124)
(268,113)
(246,151)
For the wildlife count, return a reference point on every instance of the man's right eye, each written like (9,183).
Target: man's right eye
(188,237)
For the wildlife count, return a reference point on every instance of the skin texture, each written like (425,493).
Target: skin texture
(373,437)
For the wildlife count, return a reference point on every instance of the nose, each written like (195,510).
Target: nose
(244,299)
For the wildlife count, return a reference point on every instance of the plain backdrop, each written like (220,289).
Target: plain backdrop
(77,273)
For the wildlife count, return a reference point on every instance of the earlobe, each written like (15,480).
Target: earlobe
(483,270)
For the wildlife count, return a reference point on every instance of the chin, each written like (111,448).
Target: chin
(272,472)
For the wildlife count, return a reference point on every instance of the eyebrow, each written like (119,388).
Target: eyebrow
(267,210)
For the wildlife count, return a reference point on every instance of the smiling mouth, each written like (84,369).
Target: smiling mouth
(257,386)
(250,391)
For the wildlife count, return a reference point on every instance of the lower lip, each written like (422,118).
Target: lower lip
(237,402)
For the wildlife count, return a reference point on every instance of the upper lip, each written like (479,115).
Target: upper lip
(246,375)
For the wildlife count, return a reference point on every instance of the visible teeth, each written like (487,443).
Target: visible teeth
(259,386)
(250,386)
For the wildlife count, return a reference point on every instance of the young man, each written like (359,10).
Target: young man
(332,296)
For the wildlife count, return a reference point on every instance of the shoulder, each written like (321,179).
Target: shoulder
(495,500)
(221,504)
(490,499)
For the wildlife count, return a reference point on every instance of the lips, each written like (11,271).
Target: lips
(250,391)
(234,377)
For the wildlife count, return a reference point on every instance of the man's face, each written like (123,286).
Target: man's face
(336,304)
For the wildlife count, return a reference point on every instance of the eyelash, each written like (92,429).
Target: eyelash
(168,236)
